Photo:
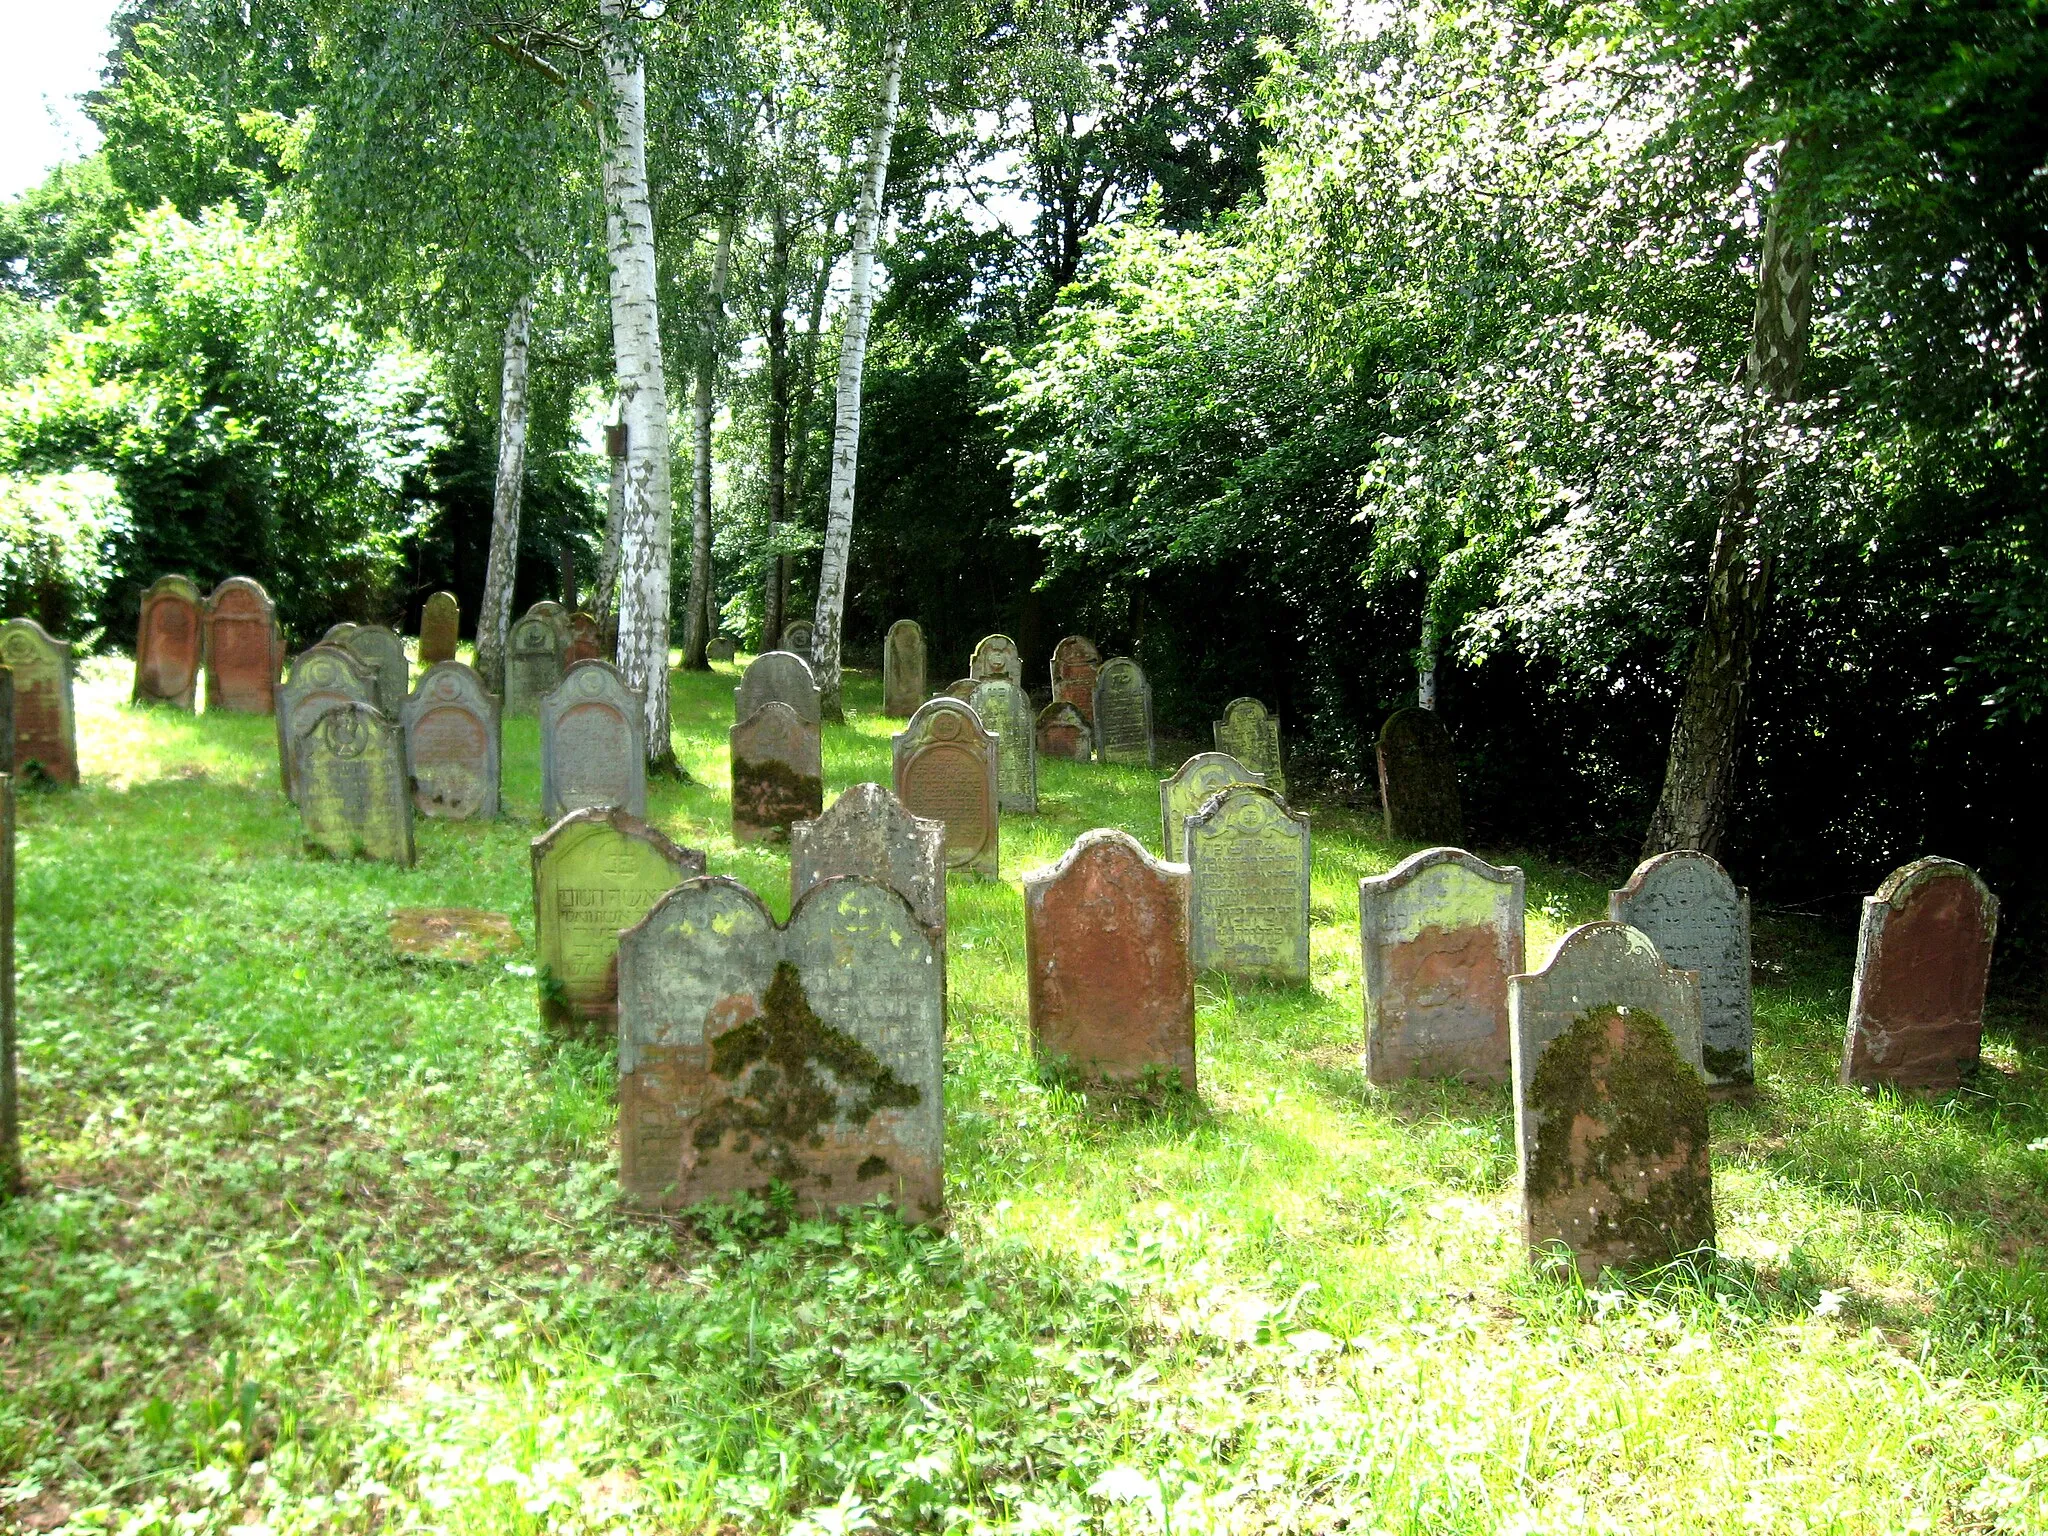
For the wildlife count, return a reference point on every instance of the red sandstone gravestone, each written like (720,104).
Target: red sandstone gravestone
(1916,1008)
(168,644)
(244,653)
(1063,733)
(45,732)
(1074,662)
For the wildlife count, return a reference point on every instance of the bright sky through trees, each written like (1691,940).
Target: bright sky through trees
(54,52)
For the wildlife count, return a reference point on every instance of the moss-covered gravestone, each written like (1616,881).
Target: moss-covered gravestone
(382,654)
(1252,736)
(808,1056)
(45,730)
(354,797)
(440,628)
(796,638)
(452,744)
(1005,714)
(1074,664)
(1699,920)
(593,743)
(244,653)
(1063,733)
(961,689)
(533,662)
(778,773)
(777,677)
(1611,1104)
(1248,865)
(996,656)
(903,669)
(168,642)
(1916,1008)
(322,676)
(945,769)
(1419,779)
(1193,783)
(596,873)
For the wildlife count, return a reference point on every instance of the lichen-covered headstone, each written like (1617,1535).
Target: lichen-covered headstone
(796,638)
(382,654)
(1248,862)
(1005,714)
(721,648)
(440,628)
(1109,980)
(1074,664)
(1190,788)
(593,746)
(586,641)
(244,653)
(867,834)
(595,874)
(808,1056)
(45,731)
(452,744)
(1610,1103)
(944,768)
(1923,955)
(961,689)
(778,773)
(1699,920)
(1063,733)
(337,633)
(996,656)
(168,643)
(1123,714)
(1440,934)
(354,799)
(903,669)
(533,663)
(1419,779)
(322,676)
(777,677)
(1252,736)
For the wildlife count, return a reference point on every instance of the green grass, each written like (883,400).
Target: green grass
(319,1239)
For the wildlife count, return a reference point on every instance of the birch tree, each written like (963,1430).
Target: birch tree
(494,614)
(711,340)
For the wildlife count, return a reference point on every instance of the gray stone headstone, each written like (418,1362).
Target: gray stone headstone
(1005,714)
(781,678)
(1248,861)
(244,653)
(1063,732)
(593,744)
(1923,956)
(1252,736)
(1190,788)
(722,648)
(45,728)
(796,638)
(383,654)
(961,689)
(1699,920)
(1075,661)
(168,642)
(1419,779)
(354,799)
(440,628)
(809,1055)
(866,834)
(1440,934)
(337,633)
(944,768)
(533,662)
(324,675)
(996,656)
(452,744)
(1123,714)
(778,773)
(903,669)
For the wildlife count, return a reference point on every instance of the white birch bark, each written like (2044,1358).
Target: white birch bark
(712,331)
(604,600)
(853,349)
(494,614)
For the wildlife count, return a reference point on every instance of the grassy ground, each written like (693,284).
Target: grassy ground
(320,1239)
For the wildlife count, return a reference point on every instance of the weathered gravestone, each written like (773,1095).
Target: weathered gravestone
(1190,788)
(322,676)
(593,745)
(996,656)
(1699,920)
(440,628)
(596,873)
(244,653)
(1610,1104)
(337,633)
(45,732)
(1063,733)
(1923,954)
(460,935)
(167,644)
(944,768)
(1075,662)
(1123,714)
(778,773)
(721,648)
(586,643)
(808,1055)
(1005,714)
(777,677)
(962,689)
(452,744)
(353,796)
(1440,934)
(533,663)
(796,638)
(1110,985)
(1419,779)
(903,669)
(868,835)
(10,1105)
(1252,736)
(1248,863)
(382,655)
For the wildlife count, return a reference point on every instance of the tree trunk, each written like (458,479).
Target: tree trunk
(805,388)
(604,599)
(1699,779)
(494,614)
(1425,669)
(697,633)
(647,508)
(853,349)
(778,421)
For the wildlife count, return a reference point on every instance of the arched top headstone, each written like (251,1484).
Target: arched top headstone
(1123,714)
(779,676)
(778,773)
(1699,920)
(1189,789)
(1923,958)
(440,628)
(996,656)
(586,643)
(1419,779)
(353,794)
(1074,664)
(338,633)
(323,675)
(452,744)
(45,728)
(1252,736)
(382,654)
(1005,713)
(797,637)
(945,769)
(168,643)
(903,670)
(244,653)
(533,661)
(593,749)
(1063,733)
(1249,859)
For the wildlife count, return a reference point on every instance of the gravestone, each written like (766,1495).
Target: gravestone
(778,773)
(533,663)
(777,677)
(10,1103)
(1005,714)
(1190,788)
(337,633)
(1063,733)
(440,628)
(721,648)
(585,641)
(1123,714)
(903,669)
(1248,863)
(1699,920)
(1419,779)
(322,676)
(796,638)
(1110,985)
(45,730)
(452,744)
(962,689)
(1923,954)
(1252,736)
(595,874)
(1440,934)
(382,655)
(593,744)
(944,768)
(808,1055)
(353,797)
(868,835)
(461,935)
(1074,665)
(244,653)
(1610,1103)
(996,656)
(167,644)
